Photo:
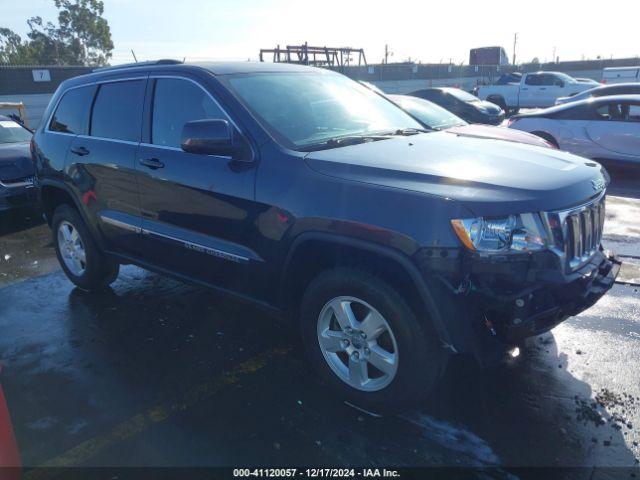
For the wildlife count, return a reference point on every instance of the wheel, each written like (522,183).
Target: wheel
(548,137)
(367,343)
(79,256)
(499,101)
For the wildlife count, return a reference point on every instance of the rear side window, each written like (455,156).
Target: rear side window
(72,111)
(175,103)
(117,111)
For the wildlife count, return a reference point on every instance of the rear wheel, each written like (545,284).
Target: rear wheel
(499,101)
(79,256)
(367,343)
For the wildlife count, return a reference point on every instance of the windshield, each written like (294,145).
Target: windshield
(461,95)
(305,109)
(12,132)
(430,114)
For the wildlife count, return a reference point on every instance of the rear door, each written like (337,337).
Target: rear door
(101,164)
(198,210)
(618,130)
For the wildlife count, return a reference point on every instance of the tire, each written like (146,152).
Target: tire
(415,360)
(499,101)
(83,263)
(548,137)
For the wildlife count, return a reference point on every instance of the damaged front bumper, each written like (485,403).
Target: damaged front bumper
(492,303)
(537,308)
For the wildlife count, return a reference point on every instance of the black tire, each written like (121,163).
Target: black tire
(421,358)
(99,271)
(499,101)
(548,137)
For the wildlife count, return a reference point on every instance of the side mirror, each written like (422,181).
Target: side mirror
(560,83)
(208,137)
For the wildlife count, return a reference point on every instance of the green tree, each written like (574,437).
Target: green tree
(81,37)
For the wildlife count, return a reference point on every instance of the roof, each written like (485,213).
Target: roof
(228,68)
(217,68)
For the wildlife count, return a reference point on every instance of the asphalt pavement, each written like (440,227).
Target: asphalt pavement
(154,372)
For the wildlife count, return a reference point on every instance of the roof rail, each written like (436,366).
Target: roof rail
(163,61)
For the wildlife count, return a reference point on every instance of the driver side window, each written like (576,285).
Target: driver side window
(176,102)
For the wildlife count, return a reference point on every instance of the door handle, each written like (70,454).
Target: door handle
(152,163)
(543,88)
(80,151)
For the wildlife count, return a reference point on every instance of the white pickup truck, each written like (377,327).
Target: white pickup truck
(535,90)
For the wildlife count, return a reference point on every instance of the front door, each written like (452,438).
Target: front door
(198,217)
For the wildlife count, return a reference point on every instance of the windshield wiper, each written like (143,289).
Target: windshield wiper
(343,141)
(408,131)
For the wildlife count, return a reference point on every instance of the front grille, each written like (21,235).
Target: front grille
(577,233)
(584,232)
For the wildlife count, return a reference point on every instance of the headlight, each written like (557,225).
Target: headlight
(522,233)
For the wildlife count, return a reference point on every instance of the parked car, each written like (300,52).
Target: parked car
(509,78)
(17,171)
(590,81)
(620,75)
(603,91)
(535,90)
(433,117)
(323,203)
(598,128)
(463,104)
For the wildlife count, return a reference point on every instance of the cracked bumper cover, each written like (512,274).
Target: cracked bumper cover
(538,307)
(496,301)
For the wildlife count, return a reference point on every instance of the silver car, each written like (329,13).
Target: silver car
(599,128)
(603,91)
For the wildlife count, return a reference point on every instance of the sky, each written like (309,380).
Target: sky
(429,32)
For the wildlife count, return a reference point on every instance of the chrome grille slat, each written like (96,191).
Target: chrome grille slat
(577,232)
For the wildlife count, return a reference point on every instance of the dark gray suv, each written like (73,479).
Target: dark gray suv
(388,246)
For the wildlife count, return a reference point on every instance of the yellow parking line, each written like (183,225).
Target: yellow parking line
(79,454)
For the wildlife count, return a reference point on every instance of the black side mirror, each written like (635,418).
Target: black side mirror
(208,137)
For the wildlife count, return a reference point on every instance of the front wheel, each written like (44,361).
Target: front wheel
(367,343)
(78,254)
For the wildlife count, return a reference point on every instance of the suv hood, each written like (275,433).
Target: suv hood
(490,177)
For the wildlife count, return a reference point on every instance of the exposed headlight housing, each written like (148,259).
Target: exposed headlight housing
(519,233)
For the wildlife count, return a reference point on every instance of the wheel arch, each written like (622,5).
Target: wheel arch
(313,252)
(54,194)
(546,136)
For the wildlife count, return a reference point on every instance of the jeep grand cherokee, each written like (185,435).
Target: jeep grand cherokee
(389,246)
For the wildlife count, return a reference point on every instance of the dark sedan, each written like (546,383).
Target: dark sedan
(433,117)
(463,104)
(17,171)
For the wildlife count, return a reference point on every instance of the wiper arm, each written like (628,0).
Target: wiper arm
(407,131)
(344,141)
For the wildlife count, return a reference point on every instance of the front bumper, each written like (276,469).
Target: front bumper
(537,307)
(489,304)
(17,197)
